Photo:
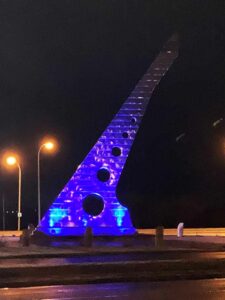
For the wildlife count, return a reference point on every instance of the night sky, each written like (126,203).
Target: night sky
(66,67)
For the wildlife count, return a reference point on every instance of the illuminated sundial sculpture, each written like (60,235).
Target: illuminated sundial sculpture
(89,198)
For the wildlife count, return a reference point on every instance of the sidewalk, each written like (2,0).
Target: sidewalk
(199,239)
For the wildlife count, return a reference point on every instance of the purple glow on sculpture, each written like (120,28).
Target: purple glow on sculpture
(95,180)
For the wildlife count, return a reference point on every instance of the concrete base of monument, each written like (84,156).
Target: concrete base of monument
(138,240)
(80,231)
(135,239)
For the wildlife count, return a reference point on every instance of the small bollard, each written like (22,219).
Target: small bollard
(25,238)
(88,237)
(159,234)
(31,229)
(180,230)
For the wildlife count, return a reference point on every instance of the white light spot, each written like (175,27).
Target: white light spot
(217,122)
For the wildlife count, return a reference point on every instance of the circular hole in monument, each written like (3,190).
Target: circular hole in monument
(116,151)
(93,204)
(133,120)
(125,135)
(103,174)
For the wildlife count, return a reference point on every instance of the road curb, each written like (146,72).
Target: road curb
(112,272)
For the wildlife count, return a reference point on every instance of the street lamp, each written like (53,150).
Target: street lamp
(11,161)
(48,146)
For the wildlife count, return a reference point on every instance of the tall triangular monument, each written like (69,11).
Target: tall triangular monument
(89,198)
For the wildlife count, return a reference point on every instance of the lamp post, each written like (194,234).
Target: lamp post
(12,161)
(48,146)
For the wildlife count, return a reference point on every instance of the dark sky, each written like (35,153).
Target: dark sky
(65,69)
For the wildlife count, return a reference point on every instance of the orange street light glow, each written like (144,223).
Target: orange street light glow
(11,160)
(49,145)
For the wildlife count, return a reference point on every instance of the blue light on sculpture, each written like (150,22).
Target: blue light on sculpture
(89,198)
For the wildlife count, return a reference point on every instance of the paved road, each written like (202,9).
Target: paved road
(162,256)
(213,289)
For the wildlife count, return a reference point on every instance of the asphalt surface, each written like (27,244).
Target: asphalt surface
(213,289)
